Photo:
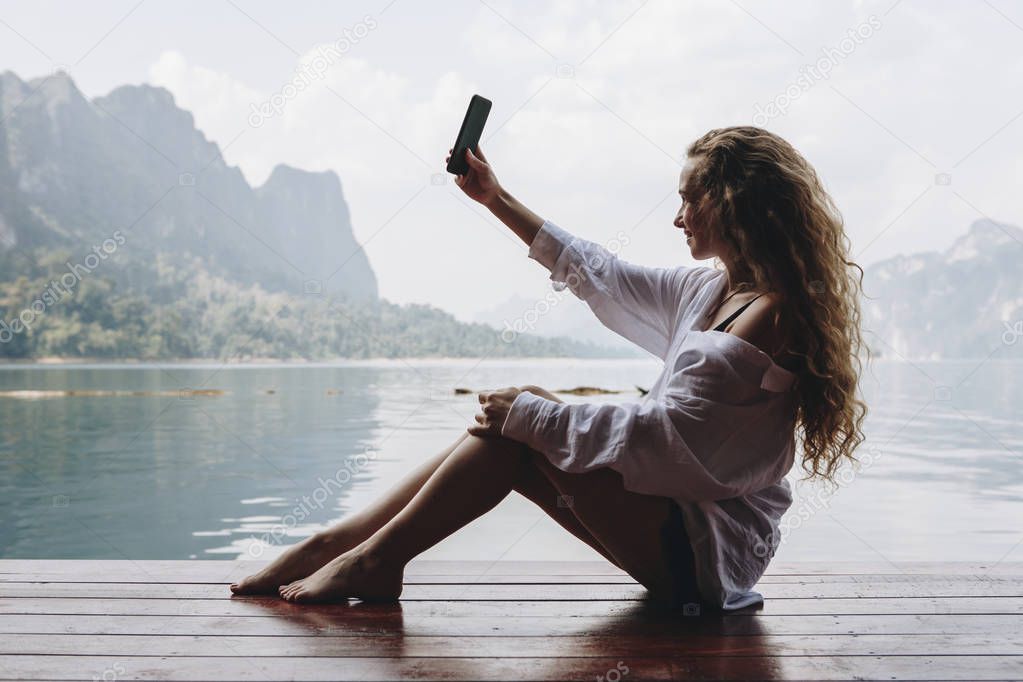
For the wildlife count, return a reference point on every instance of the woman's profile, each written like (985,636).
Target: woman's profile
(684,489)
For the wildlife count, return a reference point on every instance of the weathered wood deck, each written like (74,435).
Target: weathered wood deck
(126,620)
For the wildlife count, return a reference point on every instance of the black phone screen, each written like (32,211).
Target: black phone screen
(469,134)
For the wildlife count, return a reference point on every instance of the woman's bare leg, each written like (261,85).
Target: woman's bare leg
(312,553)
(627,524)
(537,488)
(309,555)
(470,482)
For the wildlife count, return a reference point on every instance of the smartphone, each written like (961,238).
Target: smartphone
(469,134)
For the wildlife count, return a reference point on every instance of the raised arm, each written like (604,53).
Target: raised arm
(640,303)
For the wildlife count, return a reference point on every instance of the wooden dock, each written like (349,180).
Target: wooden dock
(148,620)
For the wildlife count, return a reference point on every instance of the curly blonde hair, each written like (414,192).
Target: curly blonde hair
(784,234)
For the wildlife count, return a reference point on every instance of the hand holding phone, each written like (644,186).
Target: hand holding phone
(475,176)
(479,183)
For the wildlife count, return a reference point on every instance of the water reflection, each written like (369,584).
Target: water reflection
(289,449)
(166,477)
(476,638)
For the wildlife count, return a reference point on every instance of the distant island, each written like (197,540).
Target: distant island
(124,235)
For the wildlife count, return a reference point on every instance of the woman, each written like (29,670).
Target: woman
(683,490)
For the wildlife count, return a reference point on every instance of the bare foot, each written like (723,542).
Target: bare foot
(353,574)
(297,562)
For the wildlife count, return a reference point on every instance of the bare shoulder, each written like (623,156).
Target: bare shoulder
(763,324)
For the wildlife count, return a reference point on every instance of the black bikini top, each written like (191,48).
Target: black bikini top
(721,327)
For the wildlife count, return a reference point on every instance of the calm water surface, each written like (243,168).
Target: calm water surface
(287,450)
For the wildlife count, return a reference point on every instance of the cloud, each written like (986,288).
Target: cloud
(597,146)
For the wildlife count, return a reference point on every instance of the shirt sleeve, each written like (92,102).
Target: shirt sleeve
(639,303)
(709,438)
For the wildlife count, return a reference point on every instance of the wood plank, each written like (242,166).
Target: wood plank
(581,646)
(227,571)
(522,668)
(270,607)
(96,575)
(360,621)
(534,591)
(514,620)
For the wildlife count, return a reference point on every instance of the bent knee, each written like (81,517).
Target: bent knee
(490,444)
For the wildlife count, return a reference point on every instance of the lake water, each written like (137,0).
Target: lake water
(289,449)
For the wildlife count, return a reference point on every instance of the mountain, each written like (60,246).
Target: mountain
(123,234)
(192,261)
(960,303)
(74,171)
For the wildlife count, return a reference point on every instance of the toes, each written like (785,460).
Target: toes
(244,587)
(252,584)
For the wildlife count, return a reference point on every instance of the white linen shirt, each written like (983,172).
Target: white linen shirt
(716,432)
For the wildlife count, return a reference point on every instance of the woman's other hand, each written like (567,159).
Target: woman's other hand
(480,183)
(494,408)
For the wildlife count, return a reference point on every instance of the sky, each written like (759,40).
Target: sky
(909,110)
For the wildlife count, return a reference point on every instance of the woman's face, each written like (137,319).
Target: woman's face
(699,237)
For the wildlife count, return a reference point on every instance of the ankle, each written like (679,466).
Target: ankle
(372,554)
(328,540)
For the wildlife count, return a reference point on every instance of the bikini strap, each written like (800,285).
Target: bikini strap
(725,323)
